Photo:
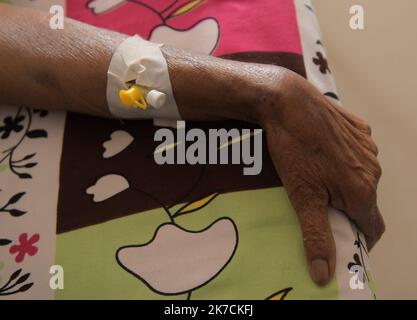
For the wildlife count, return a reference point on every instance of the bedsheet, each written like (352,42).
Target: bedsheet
(86,213)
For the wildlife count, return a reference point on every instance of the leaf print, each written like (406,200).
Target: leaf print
(29,165)
(9,287)
(39,133)
(5,242)
(15,198)
(186,8)
(332,95)
(196,205)
(24,176)
(29,156)
(240,138)
(16,213)
(280,295)
(22,278)
(167,147)
(14,124)
(11,125)
(15,274)
(26,287)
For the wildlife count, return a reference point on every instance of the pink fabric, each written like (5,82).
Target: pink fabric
(244,25)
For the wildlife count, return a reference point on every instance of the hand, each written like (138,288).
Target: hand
(324,156)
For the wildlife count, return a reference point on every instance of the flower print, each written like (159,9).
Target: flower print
(25,246)
(10,125)
(203,255)
(322,63)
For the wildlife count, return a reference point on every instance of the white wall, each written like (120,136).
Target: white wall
(375,71)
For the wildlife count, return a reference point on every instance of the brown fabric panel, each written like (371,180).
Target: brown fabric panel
(152,186)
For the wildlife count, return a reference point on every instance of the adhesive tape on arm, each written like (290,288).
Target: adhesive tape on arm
(141,62)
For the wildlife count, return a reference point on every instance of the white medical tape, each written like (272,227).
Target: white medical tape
(141,61)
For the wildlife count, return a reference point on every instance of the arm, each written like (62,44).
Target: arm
(323,154)
(67,70)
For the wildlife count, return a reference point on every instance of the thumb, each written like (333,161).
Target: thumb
(318,239)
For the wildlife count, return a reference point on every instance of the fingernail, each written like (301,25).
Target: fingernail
(320,271)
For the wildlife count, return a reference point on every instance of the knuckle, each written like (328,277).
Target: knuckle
(379,226)
(378,171)
(375,148)
(383,229)
(371,145)
(372,224)
(375,230)
(304,193)
(364,127)
(367,128)
(366,188)
(317,242)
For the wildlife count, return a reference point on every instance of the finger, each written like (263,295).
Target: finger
(365,140)
(317,235)
(370,145)
(360,131)
(370,223)
(377,229)
(353,120)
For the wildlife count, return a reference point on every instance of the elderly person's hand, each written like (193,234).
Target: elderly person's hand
(325,157)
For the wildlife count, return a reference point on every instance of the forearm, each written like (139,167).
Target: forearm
(67,70)
(53,69)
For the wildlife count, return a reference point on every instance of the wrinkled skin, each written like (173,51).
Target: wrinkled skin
(324,156)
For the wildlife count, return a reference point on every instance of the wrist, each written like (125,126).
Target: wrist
(254,93)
